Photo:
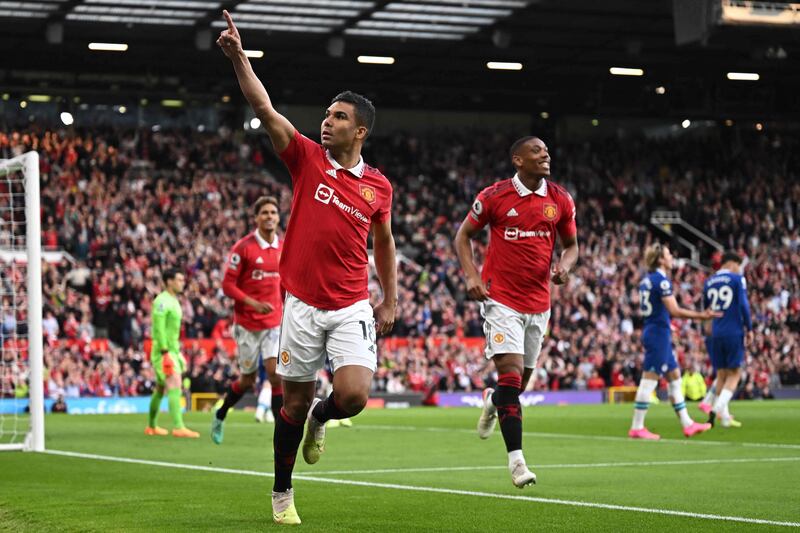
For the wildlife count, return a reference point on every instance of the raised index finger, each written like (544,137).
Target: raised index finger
(229,20)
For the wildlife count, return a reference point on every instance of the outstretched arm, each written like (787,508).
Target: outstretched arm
(677,311)
(278,127)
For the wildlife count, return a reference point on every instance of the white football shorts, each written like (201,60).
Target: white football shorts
(251,344)
(509,331)
(310,335)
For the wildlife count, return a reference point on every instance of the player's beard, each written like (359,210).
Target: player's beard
(266,232)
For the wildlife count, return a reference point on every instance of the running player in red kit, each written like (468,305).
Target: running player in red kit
(524,214)
(337,200)
(252,281)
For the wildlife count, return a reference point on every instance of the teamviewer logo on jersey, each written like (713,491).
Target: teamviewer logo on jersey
(323,194)
(513,234)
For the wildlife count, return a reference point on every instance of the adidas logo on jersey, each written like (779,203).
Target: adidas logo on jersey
(259,261)
(512,213)
(331,172)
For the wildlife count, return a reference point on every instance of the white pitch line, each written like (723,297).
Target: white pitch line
(556,501)
(574,436)
(414,488)
(413,469)
(591,437)
(564,465)
(161,463)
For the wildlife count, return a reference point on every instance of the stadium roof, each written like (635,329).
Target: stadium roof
(564,50)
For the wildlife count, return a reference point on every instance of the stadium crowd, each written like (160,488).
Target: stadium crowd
(125,204)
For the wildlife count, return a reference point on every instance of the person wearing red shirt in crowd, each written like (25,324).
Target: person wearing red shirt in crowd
(524,214)
(617,378)
(221,330)
(337,200)
(595,382)
(50,237)
(253,282)
(71,326)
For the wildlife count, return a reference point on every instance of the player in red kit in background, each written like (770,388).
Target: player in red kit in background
(337,200)
(252,281)
(524,215)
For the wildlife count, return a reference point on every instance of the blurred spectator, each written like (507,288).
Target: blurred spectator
(59,406)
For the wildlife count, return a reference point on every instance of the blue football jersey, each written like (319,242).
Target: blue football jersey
(727,292)
(652,289)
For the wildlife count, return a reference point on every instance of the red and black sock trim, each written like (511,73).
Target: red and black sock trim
(232,396)
(285,442)
(509,410)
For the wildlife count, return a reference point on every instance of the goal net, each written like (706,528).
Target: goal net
(21,365)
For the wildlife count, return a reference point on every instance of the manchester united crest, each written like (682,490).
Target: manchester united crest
(285,357)
(550,211)
(499,338)
(367,193)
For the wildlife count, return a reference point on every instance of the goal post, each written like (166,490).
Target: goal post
(21,348)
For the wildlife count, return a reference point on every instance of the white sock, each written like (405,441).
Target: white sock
(514,457)
(678,403)
(265,397)
(643,393)
(711,395)
(282,500)
(721,405)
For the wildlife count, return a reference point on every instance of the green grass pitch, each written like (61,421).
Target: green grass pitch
(416,470)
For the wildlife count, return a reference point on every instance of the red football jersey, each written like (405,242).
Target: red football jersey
(252,270)
(324,261)
(523,226)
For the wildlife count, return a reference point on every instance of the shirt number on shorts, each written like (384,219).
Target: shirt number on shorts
(368,332)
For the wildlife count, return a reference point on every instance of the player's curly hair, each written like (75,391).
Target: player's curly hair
(652,255)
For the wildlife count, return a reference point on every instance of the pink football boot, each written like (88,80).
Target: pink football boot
(643,434)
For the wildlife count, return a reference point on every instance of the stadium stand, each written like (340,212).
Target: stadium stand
(126,203)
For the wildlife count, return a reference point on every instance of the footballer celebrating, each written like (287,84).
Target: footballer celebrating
(337,201)
(524,214)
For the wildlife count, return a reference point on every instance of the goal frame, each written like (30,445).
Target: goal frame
(28,163)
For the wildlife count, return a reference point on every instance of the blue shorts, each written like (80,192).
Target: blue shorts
(726,352)
(658,354)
